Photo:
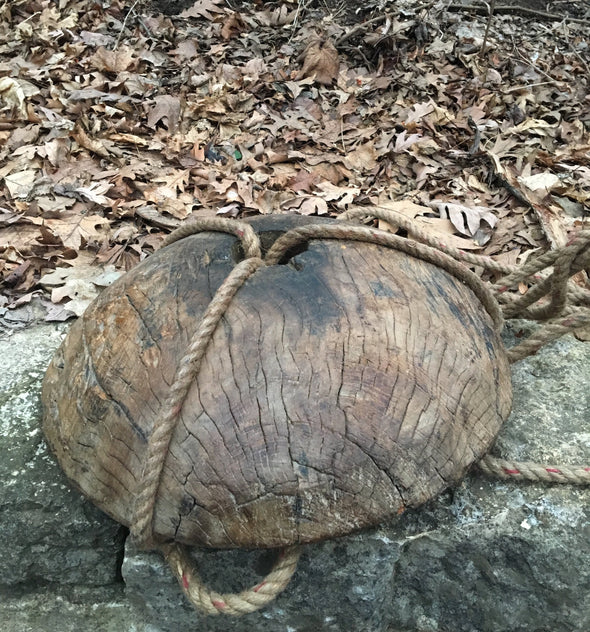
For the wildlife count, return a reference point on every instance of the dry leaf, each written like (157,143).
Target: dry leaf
(75,229)
(92,144)
(402,142)
(545,180)
(466,219)
(166,108)
(362,159)
(440,229)
(232,26)
(320,62)
(203,9)
(113,60)
(13,95)
(78,284)
(20,184)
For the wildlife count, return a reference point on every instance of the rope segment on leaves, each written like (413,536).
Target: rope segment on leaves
(552,298)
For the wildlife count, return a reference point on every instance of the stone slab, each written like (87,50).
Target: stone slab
(48,532)
(489,556)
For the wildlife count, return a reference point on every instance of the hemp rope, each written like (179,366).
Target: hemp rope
(211,602)
(567,261)
(205,600)
(535,472)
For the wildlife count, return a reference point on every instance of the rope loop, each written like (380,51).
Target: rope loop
(213,603)
(552,296)
(296,236)
(159,440)
(242,230)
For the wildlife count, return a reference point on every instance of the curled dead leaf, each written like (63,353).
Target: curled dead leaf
(320,62)
(91,144)
(79,285)
(12,94)
(466,219)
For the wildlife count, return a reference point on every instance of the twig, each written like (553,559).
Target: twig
(526,86)
(361,27)
(124,24)
(529,61)
(301,4)
(143,24)
(475,145)
(524,11)
(575,52)
(490,16)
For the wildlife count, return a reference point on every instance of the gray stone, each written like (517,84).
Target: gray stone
(57,609)
(489,556)
(48,532)
(339,585)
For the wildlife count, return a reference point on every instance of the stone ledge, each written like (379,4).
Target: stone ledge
(489,556)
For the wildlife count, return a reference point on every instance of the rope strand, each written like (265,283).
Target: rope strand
(534,472)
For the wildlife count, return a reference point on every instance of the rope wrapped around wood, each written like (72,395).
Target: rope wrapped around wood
(553,298)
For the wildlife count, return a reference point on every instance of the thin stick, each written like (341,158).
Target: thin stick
(124,24)
(361,27)
(524,11)
(491,7)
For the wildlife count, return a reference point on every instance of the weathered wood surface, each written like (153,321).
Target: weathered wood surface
(338,389)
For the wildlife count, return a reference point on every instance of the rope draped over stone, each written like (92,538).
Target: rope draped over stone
(210,602)
(565,309)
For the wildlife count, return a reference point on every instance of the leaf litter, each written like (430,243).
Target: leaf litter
(117,124)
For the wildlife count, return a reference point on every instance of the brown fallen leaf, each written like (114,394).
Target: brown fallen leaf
(438,228)
(20,184)
(232,26)
(466,219)
(80,285)
(165,108)
(76,230)
(92,144)
(113,60)
(306,205)
(320,62)
(203,9)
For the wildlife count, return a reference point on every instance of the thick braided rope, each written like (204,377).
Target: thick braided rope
(575,256)
(412,228)
(566,261)
(535,472)
(242,230)
(577,250)
(205,600)
(161,435)
(250,600)
(544,260)
(548,333)
(296,236)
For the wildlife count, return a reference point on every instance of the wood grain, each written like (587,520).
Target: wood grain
(339,389)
